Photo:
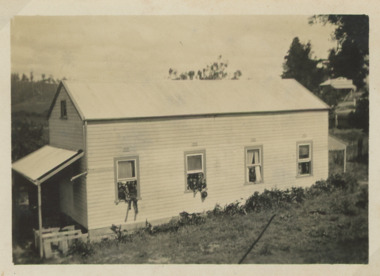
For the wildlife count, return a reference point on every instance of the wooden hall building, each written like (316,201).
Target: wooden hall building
(240,136)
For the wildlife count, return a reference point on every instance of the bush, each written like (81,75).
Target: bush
(318,188)
(81,248)
(121,235)
(297,194)
(218,210)
(274,198)
(362,199)
(171,226)
(190,219)
(234,208)
(343,181)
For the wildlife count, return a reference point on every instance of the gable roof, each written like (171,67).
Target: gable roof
(339,83)
(336,144)
(169,98)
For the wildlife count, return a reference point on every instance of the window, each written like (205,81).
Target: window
(126,178)
(304,159)
(63,110)
(194,168)
(253,163)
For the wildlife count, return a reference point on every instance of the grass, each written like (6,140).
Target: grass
(331,227)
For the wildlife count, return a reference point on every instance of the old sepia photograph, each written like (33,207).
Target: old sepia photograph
(190,139)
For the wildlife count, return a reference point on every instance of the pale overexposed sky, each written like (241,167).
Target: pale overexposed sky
(125,48)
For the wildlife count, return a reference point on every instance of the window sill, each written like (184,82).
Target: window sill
(122,200)
(253,183)
(303,175)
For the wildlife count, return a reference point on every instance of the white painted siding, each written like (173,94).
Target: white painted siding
(68,134)
(160,145)
(65,133)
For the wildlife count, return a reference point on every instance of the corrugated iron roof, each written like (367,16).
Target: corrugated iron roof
(96,101)
(339,83)
(44,160)
(336,144)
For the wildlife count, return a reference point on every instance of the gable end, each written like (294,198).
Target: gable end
(62,84)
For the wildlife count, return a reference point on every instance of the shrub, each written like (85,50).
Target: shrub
(343,181)
(234,208)
(274,198)
(171,226)
(190,219)
(218,210)
(318,188)
(121,235)
(81,248)
(362,199)
(297,194)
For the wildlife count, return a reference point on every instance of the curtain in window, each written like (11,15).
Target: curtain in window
(257,168)
(253,158)
(250,157)
(126,169)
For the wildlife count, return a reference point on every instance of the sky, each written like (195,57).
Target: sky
(126,48)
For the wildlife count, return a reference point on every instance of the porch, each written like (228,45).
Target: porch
(36,182)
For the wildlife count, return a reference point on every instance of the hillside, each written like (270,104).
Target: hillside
(31,97)
(30,102)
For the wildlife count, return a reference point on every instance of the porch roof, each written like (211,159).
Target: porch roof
(336,144)
(45,162)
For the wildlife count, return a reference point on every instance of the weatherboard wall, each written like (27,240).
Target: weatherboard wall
(161,144)
(68,134)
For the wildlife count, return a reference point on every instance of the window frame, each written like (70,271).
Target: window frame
(194,153)
(63,109)
(134,158)
(246,165)
(304,160)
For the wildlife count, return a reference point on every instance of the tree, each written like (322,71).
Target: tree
(191,74)
(350,58)
(214,71)
(24,78)
(237,75)
(15,77)
(31,76)
(360,117)
(300,66)
(27,137)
